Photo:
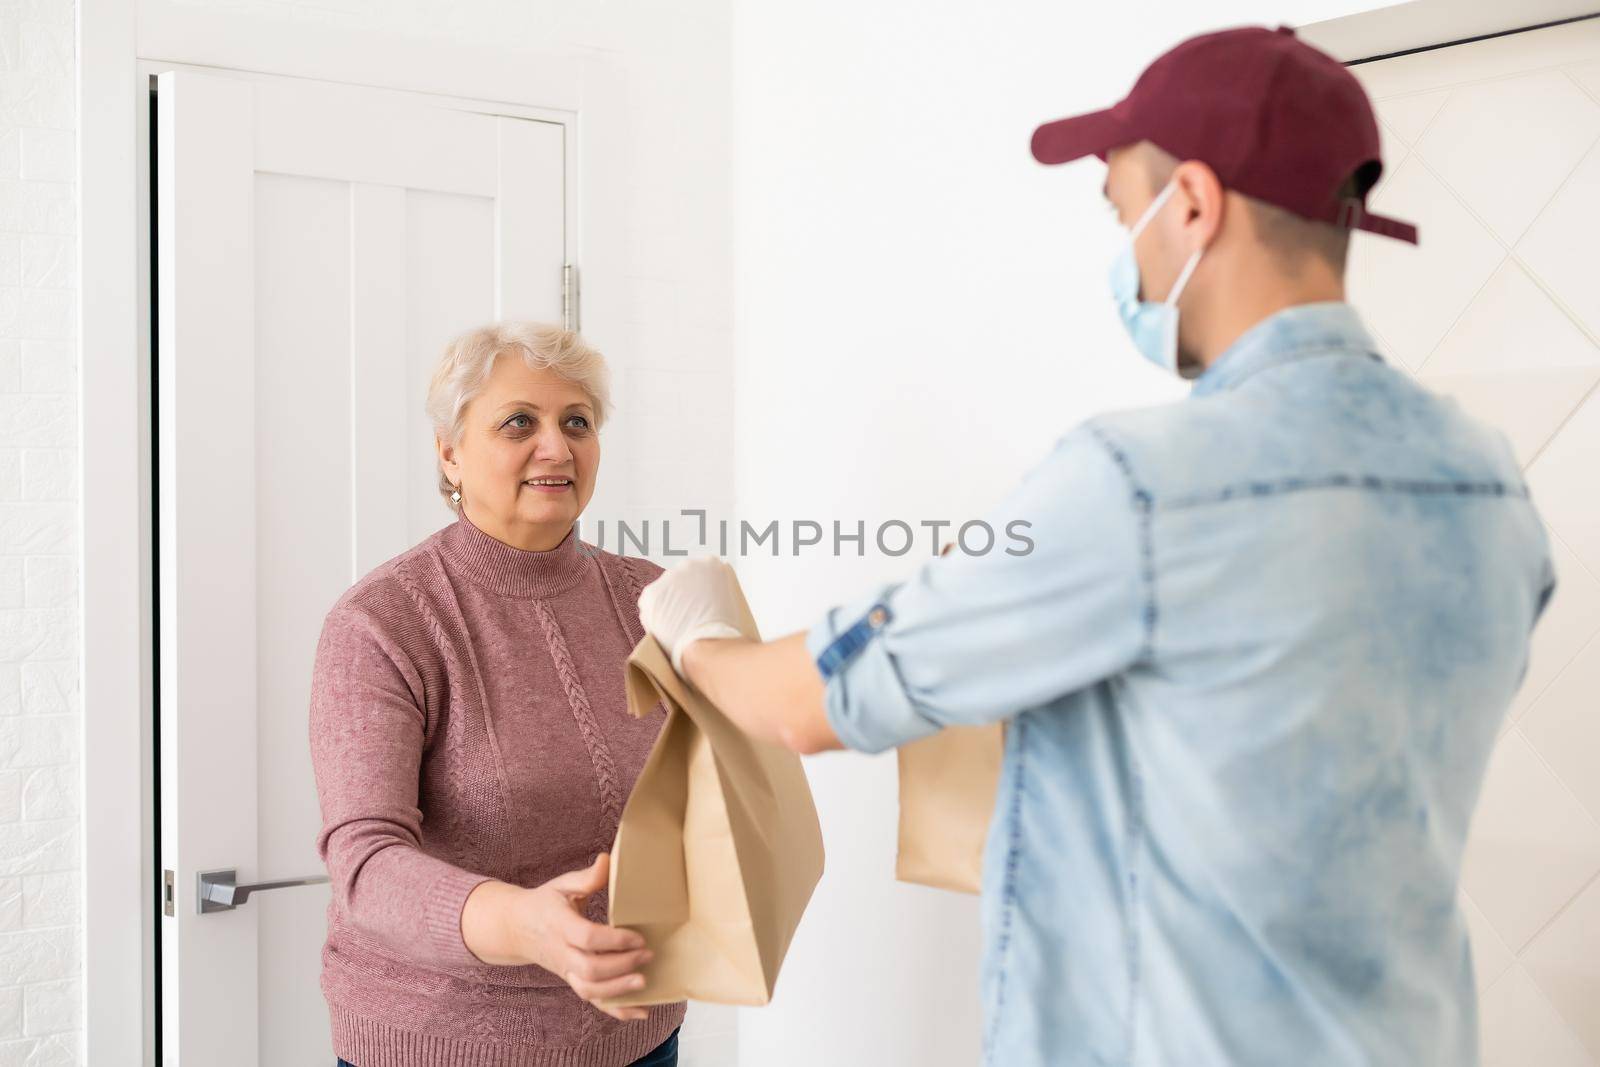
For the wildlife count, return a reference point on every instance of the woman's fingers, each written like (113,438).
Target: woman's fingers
(606,990)
(587,882)
(601,985)
(586,936)
(606,966)
(602,962)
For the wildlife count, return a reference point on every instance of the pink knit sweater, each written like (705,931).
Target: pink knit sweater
(468,721)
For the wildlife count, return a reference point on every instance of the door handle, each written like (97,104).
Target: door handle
(219,890)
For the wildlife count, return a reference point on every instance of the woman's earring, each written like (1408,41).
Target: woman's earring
(455,497)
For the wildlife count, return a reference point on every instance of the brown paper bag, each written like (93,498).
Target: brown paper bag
(947,792)
(718,850)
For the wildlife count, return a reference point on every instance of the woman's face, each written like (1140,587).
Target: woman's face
(525,427)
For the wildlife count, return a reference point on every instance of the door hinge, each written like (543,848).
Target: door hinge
(169,903)
(569,297)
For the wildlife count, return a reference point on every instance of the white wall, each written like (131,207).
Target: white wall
(39,734)
(922,309)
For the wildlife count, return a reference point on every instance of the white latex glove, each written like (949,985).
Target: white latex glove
(694,599)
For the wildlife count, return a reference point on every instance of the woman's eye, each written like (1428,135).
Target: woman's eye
(520,422)
(578,422)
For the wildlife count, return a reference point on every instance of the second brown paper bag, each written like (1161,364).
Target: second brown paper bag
(947,791)
(719,847)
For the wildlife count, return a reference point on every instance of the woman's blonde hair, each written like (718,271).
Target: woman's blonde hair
(465,365)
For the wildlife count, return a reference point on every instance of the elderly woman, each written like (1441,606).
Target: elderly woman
(473,748)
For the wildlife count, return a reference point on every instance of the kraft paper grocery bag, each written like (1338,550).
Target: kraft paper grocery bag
(718,850)
(947,791)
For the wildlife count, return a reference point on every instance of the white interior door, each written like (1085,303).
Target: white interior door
(1494,149)
(317,244)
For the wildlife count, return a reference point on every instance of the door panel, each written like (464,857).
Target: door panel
(449,241)
(317,245)
(302,399)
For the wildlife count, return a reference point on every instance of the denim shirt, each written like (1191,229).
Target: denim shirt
(1252,669)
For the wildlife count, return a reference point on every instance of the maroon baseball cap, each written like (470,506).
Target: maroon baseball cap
(1276,120)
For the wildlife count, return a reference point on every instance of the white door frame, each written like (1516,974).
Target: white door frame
(119,43)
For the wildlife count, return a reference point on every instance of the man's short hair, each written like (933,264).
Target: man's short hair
(1292,238)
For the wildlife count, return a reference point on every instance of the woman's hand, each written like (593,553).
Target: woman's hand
(544,926)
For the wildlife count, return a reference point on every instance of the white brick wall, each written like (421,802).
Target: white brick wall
(41,1016)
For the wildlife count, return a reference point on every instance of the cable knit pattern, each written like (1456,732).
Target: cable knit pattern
(636,582)
(458,768)
(605,771)
(450,749)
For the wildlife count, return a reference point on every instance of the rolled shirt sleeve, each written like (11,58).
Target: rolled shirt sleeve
(970,639)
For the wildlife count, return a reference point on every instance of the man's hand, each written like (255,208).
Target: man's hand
(770,690)
(695,599)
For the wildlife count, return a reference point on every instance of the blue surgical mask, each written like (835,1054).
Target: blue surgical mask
(1153,327)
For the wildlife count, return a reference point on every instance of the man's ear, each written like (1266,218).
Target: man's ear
(1203,197)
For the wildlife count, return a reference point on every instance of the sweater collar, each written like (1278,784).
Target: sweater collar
(507,569)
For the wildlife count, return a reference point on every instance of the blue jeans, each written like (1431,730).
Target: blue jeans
(664,1055)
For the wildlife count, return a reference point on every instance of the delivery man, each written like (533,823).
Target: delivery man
(1254,666)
